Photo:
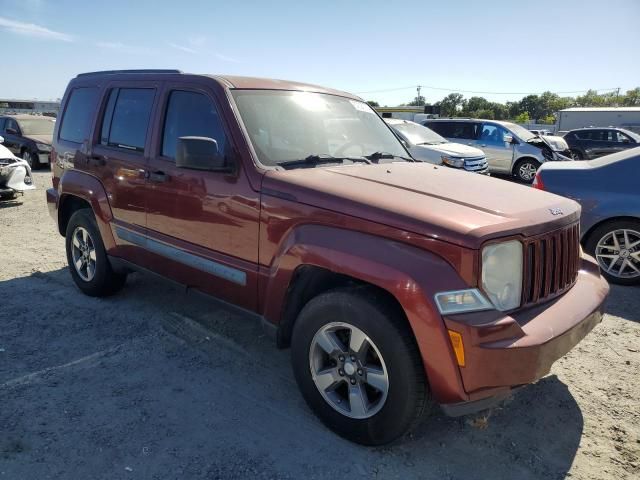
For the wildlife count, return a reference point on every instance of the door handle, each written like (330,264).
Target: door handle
(158,176)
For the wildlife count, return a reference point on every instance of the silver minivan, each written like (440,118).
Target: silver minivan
(510,148)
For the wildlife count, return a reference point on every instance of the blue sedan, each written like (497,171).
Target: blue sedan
(608,189)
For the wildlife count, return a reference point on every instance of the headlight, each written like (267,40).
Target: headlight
(43,147)
(452,161)
(502,274)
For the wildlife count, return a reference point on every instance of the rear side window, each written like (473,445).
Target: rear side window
(190,114)
(76,122)
(126,118)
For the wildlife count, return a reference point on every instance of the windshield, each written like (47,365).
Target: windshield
(520,132)
(417,134)
(291,125)
(633,135)
(37,126)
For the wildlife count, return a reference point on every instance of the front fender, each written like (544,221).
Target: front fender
(74,183)
(410,274)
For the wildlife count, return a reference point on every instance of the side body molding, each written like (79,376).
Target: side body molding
(409,274)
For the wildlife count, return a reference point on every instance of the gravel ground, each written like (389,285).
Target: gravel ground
(158,383)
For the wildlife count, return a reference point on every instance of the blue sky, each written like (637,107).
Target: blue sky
(359,46)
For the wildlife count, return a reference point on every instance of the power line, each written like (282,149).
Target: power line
(482,92)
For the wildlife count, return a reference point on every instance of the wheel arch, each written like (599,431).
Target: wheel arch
(316,259)
(621,218)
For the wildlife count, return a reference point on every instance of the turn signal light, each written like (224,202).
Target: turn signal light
(537,182)
(458,347)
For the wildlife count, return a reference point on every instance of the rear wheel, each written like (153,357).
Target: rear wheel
(358,366)
(525,170)
(616,247)
(577,155)
(87,258)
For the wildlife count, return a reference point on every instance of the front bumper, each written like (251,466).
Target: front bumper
(505,351)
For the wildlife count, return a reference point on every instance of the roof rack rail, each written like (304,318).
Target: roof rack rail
(113,72)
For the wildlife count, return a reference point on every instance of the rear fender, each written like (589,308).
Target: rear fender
(88,188)
(409,274)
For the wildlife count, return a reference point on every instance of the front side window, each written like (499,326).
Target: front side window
(76,122)
(11,124)
(493,134)
(190,114)
(126,118)
(291,125)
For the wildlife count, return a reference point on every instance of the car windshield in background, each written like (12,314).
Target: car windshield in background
(37,126)
(289,125)
(419,135)
(633,135)
(521,132)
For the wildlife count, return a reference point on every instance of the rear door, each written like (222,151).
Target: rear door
(119,157)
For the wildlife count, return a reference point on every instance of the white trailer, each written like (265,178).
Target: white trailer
(579,117)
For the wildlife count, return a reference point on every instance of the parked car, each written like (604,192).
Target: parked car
(607,189)
(28,137)
(397,284)
(590,143)
(510,148)
(426,145)
(15,174)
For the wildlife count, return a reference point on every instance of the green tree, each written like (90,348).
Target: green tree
(418,101)
(523,118)
(451,104)
(632,98)
(373,103)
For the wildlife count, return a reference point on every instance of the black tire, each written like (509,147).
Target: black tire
(599,233)
(31,158)
(408,395)
(105,281)
(526,164)
(577,155)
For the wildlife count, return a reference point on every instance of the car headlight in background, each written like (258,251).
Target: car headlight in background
(43,147)
(452,161)
(502,274)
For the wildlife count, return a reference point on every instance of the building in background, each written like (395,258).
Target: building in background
(580,117)
(38,107)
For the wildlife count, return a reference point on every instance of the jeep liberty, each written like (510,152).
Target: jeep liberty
(398,285)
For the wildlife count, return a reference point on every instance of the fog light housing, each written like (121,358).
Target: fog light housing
(461,301)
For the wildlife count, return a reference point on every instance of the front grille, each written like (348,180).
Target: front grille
(551,264)
(475,164)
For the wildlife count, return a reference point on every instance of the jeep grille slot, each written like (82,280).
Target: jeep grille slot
(551,264)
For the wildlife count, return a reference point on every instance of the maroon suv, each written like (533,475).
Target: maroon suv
(397,284)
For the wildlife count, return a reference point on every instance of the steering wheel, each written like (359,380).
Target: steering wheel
(340,151)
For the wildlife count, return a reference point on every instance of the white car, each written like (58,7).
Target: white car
(426,145)
(15,174)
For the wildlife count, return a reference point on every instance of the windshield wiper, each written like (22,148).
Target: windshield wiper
(376,156)
(318,159)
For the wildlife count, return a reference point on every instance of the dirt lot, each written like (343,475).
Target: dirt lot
(156,383)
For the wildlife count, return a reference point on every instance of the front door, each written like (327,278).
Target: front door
(204,222)
(499,152)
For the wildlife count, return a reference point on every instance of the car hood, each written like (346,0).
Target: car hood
(439,202)
(556,143)
(454,149)
(40,138)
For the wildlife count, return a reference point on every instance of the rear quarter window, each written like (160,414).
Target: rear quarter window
(76,121)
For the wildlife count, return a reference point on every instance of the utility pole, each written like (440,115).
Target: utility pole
(617,95)
(418,98)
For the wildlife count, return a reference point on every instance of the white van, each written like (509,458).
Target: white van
(426,145)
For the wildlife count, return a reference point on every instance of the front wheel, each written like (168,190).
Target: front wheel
(577,155)
(616,247)
(526,169)
(31,158)
(87,257)
(358,366)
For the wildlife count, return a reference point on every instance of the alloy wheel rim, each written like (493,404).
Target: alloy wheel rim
(83,253)
(26,156)
(527,171)
(348,370)
(618,253)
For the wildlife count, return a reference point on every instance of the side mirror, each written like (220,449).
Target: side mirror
(507,139)
(200,153)
(624,140)
(11,131)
